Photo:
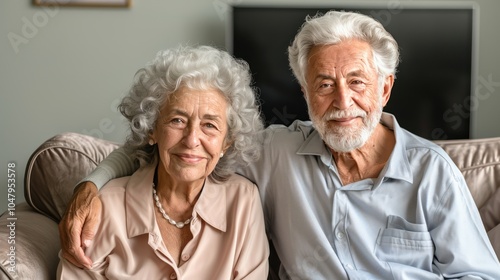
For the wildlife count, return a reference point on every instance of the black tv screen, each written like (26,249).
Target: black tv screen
(431,96)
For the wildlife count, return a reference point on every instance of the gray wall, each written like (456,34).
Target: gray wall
(65,69)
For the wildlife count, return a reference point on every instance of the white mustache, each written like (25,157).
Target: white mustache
(339,114)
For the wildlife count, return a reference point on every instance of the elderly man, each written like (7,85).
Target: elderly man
(350,195)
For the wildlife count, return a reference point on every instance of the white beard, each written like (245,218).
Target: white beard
(346,139)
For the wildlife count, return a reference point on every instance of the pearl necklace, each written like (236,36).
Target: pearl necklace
(170,220)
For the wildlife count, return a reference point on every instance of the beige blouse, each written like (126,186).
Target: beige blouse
(229,240)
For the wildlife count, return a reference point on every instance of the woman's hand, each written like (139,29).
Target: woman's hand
(79,224)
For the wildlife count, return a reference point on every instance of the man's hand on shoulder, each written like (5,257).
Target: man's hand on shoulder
(79,224)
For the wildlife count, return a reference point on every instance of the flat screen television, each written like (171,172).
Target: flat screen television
(432,93)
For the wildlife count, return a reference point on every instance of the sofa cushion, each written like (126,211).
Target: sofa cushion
(490,212)
(57,165)
(494,235)
(35,249)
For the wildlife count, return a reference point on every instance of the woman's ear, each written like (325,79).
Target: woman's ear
(152,138)
(227,144)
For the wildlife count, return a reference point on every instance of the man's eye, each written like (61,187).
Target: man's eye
(325,88)
(358,85)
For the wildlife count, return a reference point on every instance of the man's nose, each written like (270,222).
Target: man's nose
(342,98)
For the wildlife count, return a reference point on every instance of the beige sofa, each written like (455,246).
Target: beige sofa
(60,162)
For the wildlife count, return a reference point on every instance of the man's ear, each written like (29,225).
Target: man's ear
(386,93)
(304,93)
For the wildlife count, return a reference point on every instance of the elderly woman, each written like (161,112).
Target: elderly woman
(184,214)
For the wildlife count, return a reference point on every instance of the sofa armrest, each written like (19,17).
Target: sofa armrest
(57,165)
(29,245)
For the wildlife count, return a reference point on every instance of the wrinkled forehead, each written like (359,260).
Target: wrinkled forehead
(345,56)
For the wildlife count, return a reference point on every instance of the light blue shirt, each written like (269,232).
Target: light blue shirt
(417,220)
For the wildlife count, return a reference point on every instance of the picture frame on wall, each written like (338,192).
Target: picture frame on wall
(84,3)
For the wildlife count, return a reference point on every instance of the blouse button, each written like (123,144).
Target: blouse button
(173,275)
(185,257)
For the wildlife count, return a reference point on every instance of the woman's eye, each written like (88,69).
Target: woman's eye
(176,121)
(210,125)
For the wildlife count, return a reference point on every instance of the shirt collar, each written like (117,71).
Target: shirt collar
(211,205)
(397,167)
(314,145)
(140,208)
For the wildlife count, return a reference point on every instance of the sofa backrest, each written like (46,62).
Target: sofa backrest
(479,161)
(63,160)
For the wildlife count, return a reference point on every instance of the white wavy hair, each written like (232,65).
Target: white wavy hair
(199,68)
(335,27)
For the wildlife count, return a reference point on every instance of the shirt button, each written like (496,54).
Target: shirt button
(173,275)
(185,257)
(340,235)
(349,266)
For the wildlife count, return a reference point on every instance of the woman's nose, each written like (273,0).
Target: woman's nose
(191,136)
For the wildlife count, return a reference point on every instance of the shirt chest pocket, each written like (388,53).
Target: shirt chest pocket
(405,243)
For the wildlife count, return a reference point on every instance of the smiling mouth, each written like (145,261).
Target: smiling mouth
(190,158)
(344,121)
